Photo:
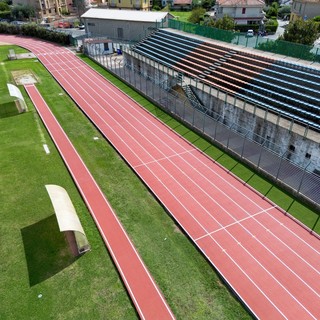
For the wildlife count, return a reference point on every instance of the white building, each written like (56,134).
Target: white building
(126,25)
(242,11)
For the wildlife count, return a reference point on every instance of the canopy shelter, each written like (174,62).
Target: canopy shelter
(15,92)
(67,217)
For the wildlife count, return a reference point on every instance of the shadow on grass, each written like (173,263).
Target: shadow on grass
(46,249)
(8,110)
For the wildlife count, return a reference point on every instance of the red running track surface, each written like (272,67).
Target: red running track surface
(144,293)
(271,262)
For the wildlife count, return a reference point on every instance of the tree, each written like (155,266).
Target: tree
(299,31)
(22,11)
(225,23)
(4,6)
(208,4)
(284,11)
(272,11)
(196,15)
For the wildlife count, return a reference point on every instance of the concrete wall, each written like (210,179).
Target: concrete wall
(131,31)
(267,129)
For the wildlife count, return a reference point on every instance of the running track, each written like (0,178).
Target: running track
(144,293)
(270,261)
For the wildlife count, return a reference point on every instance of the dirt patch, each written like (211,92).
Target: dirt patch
(22,77)
(27,55)
(177,229)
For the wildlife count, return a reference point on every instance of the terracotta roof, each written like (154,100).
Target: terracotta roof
(241,3)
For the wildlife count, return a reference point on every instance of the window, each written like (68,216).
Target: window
(292,147)
(119,1)
(308,155)
(243,10)
(120,32)
(91,24)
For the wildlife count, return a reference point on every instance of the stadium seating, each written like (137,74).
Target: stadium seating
(288,89)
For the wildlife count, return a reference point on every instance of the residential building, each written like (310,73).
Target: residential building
(242,11)
(45,8)
(181,4)
(304,9)
(144,5)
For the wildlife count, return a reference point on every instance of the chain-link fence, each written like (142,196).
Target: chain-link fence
(310,53)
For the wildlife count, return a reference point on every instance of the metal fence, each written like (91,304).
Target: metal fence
(310,53)
(241,142)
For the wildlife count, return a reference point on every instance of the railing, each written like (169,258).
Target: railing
(310,53)
(247,145)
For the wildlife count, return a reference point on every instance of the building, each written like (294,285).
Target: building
(181,4)
(123,25)
(45,8)
(242,11)
(144,5)
(304,9)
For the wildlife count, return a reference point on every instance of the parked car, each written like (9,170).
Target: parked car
(250,33)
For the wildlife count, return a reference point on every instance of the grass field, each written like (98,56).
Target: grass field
(34,255)
(181,15)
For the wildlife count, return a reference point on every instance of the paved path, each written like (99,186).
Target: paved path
(144,293)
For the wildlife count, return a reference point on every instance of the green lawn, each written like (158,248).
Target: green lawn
(181,15)
(39,278)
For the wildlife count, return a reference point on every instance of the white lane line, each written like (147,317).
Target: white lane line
(233,223)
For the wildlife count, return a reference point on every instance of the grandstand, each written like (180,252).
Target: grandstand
(260,107)
(282,88)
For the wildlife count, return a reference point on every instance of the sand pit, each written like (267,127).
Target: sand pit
(23,77)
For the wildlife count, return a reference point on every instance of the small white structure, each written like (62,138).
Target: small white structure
(242,11)
(67,217)
(95,46)
(15,92)
(126,25)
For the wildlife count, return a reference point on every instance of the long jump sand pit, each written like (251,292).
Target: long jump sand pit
(23,77)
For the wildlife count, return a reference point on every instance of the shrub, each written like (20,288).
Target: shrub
(34,30)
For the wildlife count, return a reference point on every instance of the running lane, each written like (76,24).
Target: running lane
(144,293)
(271,262)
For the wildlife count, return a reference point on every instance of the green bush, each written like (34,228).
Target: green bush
(36,31)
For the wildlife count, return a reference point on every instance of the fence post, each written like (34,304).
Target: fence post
(257,39)
(258,165)
(304,172)
(230,129)
(204,120)
(184,108)
(280,165)
(244,141)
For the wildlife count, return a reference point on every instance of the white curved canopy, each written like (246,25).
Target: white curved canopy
(66,215)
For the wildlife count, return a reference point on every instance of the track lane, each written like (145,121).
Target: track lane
(105,99)
(146,296)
